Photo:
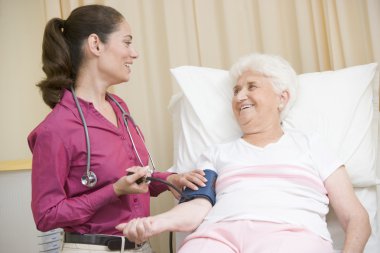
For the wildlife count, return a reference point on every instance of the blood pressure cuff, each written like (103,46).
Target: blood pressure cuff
(207,192)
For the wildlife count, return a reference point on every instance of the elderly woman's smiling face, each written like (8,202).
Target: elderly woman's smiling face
(255,103)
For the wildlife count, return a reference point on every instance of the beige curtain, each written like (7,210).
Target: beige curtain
(314,35)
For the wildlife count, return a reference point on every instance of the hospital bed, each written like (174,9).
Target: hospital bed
(342,105)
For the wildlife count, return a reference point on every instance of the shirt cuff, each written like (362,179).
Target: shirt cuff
(157,187)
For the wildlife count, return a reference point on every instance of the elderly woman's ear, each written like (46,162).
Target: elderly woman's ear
(284,98)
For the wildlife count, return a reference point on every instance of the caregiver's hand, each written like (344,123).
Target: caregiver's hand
(140,229)
(128,185)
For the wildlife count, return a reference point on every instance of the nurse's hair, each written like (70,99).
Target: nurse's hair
(283,76)
(62,47)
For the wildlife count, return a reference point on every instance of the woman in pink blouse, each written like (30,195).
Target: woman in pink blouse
(82,57)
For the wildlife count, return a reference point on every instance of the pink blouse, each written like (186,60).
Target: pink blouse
(59,160)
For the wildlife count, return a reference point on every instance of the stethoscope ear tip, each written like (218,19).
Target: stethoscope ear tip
(149,169)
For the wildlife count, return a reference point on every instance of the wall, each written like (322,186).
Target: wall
(21,106)
(15,215)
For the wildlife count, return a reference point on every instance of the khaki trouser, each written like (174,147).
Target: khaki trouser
(88,248)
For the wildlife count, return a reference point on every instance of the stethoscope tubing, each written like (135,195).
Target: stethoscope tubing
(125,120)
(89,179)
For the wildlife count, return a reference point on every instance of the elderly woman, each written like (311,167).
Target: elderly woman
(274,185)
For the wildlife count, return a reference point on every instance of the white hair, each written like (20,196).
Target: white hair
(283,76)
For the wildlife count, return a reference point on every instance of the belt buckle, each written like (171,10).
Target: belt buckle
(139,245)
(115,244)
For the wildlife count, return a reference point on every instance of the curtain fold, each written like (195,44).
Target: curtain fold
(314,35)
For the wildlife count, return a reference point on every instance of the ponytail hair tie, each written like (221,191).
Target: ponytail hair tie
(62,24)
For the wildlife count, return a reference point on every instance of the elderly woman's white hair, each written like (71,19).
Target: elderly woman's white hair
(275,67)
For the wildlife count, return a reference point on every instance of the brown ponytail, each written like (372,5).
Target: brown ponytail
(56,63)
(62,52)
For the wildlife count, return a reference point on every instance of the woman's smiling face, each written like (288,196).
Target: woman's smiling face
(255,102)
(118,55)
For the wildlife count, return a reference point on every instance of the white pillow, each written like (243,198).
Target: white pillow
(341,105)
(202,114)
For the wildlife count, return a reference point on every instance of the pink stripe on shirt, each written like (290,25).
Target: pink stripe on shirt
(287,173)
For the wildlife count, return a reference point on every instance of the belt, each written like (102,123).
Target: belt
(112,242)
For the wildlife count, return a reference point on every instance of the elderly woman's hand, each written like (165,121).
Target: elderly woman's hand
(191,179)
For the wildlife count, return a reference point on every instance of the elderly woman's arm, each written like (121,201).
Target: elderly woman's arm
(186,216)
(350,212)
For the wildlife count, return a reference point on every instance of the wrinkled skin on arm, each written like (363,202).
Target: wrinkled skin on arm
(351,214)
(183,217)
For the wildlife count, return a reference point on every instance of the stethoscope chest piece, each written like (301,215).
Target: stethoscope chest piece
(89,179)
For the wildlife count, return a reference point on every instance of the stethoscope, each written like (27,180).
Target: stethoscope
(89,179)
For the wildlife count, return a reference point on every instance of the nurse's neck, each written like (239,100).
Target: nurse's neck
(93,93)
